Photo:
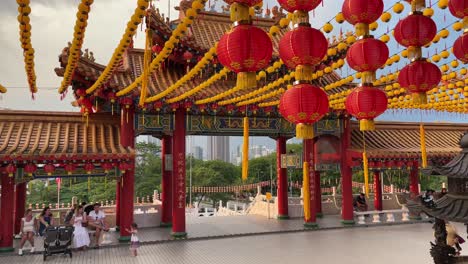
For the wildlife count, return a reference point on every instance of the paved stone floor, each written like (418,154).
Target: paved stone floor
(202,227)
(379,244)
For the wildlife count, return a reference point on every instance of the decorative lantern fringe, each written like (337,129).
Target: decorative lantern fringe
(246,80)
(89,184)
(414,52)
(365,163)
(368,77)
(306,191)
(239,12)
(418,5)
(419,98)
(146,66)
(304,131)
(422,137)
(299,17)
(366,125)
(304,73)
(362,29)
(245,150)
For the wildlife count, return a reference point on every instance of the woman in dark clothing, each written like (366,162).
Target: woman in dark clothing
(45,220)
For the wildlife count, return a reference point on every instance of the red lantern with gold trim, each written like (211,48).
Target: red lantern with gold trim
(362,11)
(303,46)
(460,48)
(70,168)
(458,8)
(304,104)
(366,103)
(107,166)
(367,55)
(419,77)
(10,169)
(49,169)
(415,30)
(245,49)
(88,167)
(30,168)
(302,5)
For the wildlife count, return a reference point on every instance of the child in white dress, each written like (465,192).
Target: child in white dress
(80,235)
(134,241)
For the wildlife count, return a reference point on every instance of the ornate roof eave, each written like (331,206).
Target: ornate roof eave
(458,167)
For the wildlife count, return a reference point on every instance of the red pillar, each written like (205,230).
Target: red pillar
(414,181)
(318,194)
(178,166)
(346,176)
(127,139)
(20,204)
(308,147)
(377,191)
(282,180)
(117,203)
(166,194)
(6,209)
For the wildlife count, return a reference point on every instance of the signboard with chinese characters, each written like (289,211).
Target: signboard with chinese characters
(327,167)
(291,161)
(168,162)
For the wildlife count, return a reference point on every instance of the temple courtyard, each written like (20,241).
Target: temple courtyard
(408,243)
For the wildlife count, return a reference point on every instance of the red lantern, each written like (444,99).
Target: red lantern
(303,46)
(88,167)
(362,11)
(70,168)
(156,49)
(107,166)
(158,105)
(460,48)
(367,54)
(30,168)
(49,169)
(419,77)
(80,92)
(458,8)
(10,169)
(415,30)
(304,104)
(245,50)
(302,5)
(126,101)
(188,105)
(188,56)
(123,167)
(244,2)
(366,103)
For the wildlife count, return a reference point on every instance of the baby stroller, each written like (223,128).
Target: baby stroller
(58,240)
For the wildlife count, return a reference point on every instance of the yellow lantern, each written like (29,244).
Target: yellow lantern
(385,17)
(327,28)
(339,18)
(398,8)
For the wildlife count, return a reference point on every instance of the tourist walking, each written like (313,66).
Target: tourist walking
(45,220)
(134,241)
(80,235)
(28,223)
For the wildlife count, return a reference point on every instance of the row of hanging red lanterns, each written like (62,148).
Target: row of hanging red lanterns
(366,55)
(302,49)
(459,9)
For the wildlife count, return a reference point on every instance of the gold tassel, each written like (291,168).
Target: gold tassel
(245,150)
(239,12)
(304,73)
(71,184)
(362,29)
(112,106)
(127,107)
(146,73)
(89,184)
(246,80)
(365,163)
(304,131)
(422,137)
(306,191)
(366,125)
(105,183)
(419,98)
(87,119)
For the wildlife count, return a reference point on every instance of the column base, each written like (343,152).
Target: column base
(163,224)
(415,218)
(6,249)
(310,225)
(117,228)
(319,215)
(282,217)
(179,235)
(348,222)
(124,239)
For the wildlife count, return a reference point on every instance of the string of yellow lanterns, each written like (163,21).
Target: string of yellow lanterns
(78,37)
(177,34)
(272,103)
(130,31)
(25,37)
(207,58)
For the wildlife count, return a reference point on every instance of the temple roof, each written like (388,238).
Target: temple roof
(450,207)
(458,167)
(400,139)
(27,135)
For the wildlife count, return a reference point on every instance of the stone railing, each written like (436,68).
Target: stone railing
(387,216)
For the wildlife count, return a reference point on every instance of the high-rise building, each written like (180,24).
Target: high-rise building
(218,148)
(197,152)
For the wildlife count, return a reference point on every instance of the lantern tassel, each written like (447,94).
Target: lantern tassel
(246,80)
(419,98)
(245,150)
(89,184)
(422,137)
(306,191)
(146,73)
(366,125)
(304,73)
(365,164)
(304,131)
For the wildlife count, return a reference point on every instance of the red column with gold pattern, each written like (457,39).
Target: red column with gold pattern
(178,168)
(127,139)
(166,194)
(309,158)
(20,204)
(377,191)
(282,191)
(117,203)
(6,209)
(346,176)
